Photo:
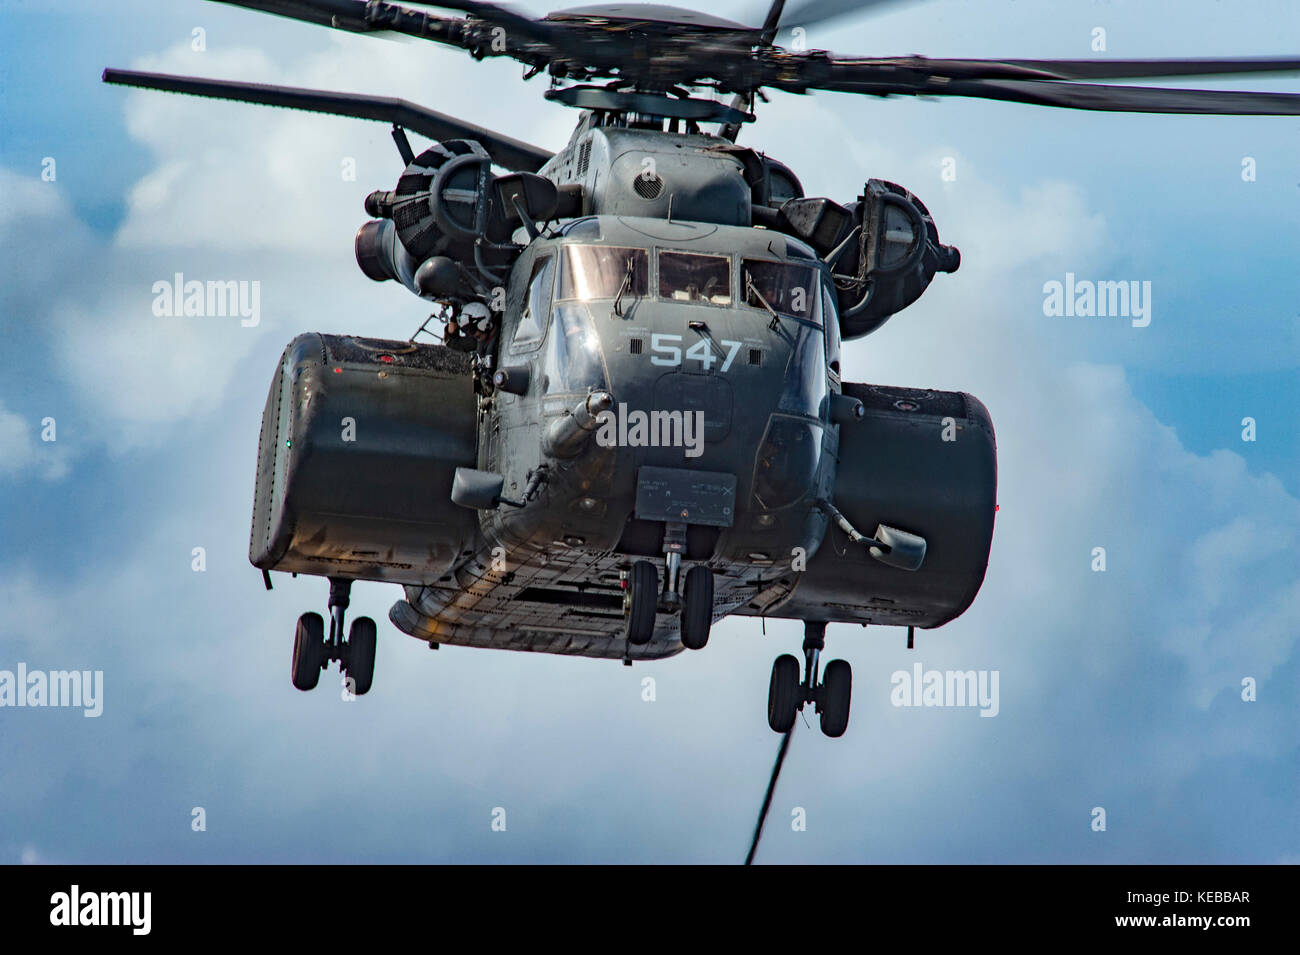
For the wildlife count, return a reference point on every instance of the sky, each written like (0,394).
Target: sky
(1120,689)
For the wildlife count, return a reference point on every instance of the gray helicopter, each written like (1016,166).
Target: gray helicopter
(637,422)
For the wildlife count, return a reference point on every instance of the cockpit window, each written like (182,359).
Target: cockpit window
(572,361)
(688,277)
(789,289)
(537,302)
(592,272)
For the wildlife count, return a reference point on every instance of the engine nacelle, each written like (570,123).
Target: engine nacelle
(449,210)
(883,251)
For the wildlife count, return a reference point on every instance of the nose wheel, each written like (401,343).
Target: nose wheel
(313,651)
(697,607)
(643,598)
(787,694)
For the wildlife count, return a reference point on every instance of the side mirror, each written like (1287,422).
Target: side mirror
(477,490)
(900,549)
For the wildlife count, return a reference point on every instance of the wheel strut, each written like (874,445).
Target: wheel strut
(340,597)
(674,547)
(814,641)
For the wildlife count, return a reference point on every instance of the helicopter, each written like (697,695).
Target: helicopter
(636,421)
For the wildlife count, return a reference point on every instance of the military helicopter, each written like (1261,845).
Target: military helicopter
(637,422)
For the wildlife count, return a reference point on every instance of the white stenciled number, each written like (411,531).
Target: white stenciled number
(666,350)
(732,349)
(702,352)
(664,343)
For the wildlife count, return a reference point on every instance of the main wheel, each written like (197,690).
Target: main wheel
(837,691)
(697,607)
(361,654)
(641,602)
(308,651)
(783,694)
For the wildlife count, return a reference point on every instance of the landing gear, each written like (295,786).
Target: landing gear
(640,602)
(836,693)
(697,607)
(643,597)
(308,651)
(360,654)
(786,694)
(312,651)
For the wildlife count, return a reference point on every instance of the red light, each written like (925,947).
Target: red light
(338,371)
(387,359)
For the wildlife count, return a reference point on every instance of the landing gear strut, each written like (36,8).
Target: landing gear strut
(787,694)
(643,598)
(313,651)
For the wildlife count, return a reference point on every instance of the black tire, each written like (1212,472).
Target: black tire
(697,607)
(783,694)
(308,651)
(361,654)
(642,602)
(837,692)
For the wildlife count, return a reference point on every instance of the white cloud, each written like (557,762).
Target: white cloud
(21,452)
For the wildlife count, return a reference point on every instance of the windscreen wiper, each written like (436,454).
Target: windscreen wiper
(627,282)
(750,287)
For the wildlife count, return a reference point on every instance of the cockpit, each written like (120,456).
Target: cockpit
(591,273)
(617,305)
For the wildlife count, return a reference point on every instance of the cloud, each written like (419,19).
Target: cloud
(21,453)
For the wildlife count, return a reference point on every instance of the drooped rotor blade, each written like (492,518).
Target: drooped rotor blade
(1122,99)
(505,152)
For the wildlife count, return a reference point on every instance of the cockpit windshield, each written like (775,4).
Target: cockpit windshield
(592,272)
(788,288)
(690,277)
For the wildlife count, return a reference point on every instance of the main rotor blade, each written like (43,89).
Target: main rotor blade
(1121,99)
(1136,69)
(771,23)
(358,16)
(505,152)
(816,12)
(538,30)
(1063,69)
(339,14)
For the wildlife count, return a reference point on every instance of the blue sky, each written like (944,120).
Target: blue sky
(1119,690)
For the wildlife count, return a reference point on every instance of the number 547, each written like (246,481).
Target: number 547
(666,349)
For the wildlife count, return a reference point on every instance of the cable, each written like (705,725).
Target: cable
(767,799)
